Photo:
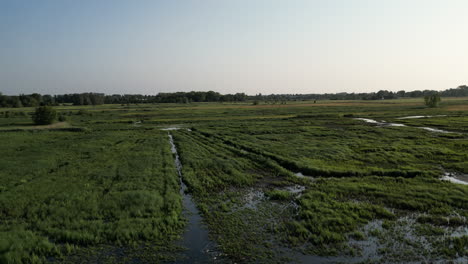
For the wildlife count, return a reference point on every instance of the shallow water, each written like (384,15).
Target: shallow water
(302,258)
(252,198)
(381,123)
(417,117)
(455,179)
(295,189)
(435,130)
(174,128)
(200,249)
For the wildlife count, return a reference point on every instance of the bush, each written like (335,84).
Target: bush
(44,115)
(432,100)
(62,118)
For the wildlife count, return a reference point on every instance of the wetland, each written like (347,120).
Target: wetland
(302,182)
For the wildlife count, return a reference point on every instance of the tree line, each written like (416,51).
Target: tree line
(35,99)
(460,91)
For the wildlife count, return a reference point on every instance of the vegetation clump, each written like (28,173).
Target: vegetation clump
(432,100)
(278,195)
(44,115)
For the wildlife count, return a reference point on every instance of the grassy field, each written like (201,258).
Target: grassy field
(273,182)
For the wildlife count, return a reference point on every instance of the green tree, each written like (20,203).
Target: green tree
(44,115)
(432,100)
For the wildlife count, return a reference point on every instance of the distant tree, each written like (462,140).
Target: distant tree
(400,93)
(48,99)
(456,92)
(414,94)
(16,102)
(44,115)
(432,100)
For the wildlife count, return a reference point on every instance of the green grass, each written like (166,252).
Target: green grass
(62,190)
(332,208)
(110,184)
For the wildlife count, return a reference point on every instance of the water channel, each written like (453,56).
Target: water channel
(199,248)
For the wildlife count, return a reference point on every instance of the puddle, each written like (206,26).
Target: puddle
(252,198)
(200,249)
(417,117)
(459,179)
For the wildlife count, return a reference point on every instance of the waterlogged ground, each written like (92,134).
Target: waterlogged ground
(331,182)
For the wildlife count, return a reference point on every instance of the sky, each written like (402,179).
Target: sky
(230,46)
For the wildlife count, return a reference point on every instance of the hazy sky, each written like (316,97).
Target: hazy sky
(252,46)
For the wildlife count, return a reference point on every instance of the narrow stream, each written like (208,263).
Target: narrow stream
(200,249)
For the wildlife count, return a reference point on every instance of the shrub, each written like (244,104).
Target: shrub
(62,118)
(44,115)
(432,100)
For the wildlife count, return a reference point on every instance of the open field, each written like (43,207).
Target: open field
(296,182)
